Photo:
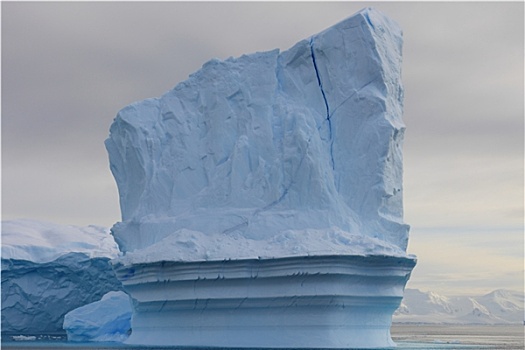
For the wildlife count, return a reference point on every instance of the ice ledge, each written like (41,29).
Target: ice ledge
(195,246)
(330,301)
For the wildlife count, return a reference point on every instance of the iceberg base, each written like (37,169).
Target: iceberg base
(293,302)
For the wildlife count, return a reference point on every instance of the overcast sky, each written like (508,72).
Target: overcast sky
(68,67)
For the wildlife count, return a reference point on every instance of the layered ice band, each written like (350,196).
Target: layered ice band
(295,302)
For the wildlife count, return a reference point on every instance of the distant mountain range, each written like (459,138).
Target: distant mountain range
(497,307)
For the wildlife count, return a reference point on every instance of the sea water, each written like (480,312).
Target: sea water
(425,337)
(407,337)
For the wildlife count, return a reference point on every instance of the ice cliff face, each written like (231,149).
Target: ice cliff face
(48,270)
(268,146)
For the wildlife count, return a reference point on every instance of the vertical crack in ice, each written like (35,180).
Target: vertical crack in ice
(163,305)
(319,82)
(328,119)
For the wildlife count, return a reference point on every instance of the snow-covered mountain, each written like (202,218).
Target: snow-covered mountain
(499,306)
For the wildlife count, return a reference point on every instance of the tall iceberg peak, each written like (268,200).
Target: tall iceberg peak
(48,270)
(261,198)
(268,148)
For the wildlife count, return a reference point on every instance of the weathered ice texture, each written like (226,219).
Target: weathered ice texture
(299,302)
(261,198)
(48,270)
(269,145)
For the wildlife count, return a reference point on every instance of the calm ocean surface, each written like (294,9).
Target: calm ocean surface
(407,337)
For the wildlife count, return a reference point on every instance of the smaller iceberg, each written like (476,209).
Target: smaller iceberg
(108,319)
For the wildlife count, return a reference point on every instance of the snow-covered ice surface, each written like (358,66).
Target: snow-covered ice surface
(50,269)
(108,319)
(261,198)
(42,242)
(268,147)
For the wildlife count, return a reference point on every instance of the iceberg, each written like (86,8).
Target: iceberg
(108,320)
(261,198)
(49,270)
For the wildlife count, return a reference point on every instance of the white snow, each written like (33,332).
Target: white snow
(319,301)
(188,245)
(270,145)
(41,242)
(108,319)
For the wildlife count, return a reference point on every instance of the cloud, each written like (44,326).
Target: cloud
(464,260)
(465,190)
